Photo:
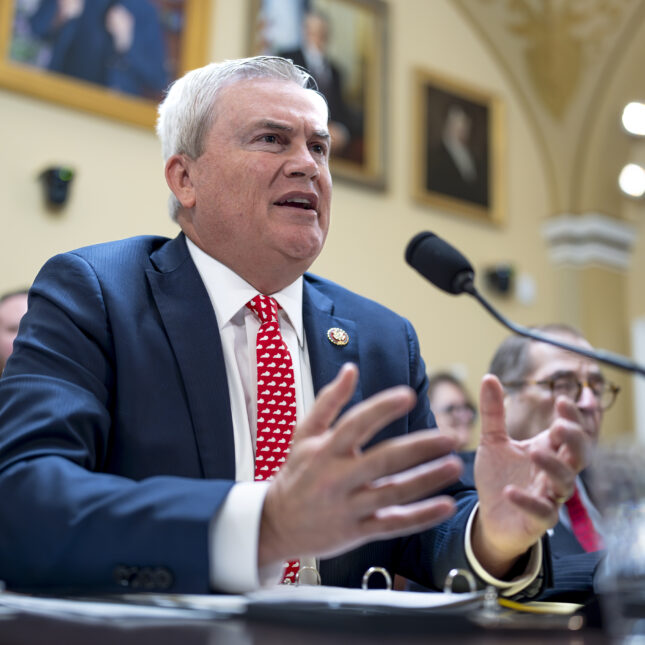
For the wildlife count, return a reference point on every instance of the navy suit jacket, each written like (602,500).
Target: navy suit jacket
(116,440)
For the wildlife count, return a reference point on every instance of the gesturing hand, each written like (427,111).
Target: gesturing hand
(331,495)
(521,484)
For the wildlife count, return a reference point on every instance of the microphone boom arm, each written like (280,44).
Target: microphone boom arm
(600,355)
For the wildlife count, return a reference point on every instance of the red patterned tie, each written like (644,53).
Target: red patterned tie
(582,525)
(276,399)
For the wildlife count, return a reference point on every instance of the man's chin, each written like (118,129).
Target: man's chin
(304,248)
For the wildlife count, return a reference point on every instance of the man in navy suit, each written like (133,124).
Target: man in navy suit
(128,409)
(533,375)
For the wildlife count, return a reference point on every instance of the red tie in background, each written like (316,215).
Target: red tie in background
(581,524)
(276,399)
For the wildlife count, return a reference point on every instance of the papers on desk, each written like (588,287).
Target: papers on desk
(201,607)
(306,603)
(102,609)
(335,597)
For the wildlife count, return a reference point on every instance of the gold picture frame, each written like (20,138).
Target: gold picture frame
(458,147)
(353,75)
(27,59)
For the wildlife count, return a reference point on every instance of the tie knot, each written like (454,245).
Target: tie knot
(264,307)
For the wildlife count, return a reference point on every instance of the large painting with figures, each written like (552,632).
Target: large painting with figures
(110,58)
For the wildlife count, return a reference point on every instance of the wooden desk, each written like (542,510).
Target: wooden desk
(23,629)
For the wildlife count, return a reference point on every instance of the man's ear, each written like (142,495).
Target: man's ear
(179,181)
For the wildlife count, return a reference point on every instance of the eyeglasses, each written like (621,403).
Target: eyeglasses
(461,409)
(569,386)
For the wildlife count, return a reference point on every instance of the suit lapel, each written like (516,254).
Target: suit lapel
(326,358)
(190,323)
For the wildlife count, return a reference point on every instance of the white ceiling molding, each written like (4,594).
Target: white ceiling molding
(589,239)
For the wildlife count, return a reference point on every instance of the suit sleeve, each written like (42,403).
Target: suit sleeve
(65,522)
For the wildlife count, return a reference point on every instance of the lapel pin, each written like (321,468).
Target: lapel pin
(338,336)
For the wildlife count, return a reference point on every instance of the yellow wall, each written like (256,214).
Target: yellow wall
(119,189)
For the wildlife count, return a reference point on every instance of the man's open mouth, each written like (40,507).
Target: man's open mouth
(305,203)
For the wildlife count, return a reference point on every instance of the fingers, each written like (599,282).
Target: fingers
(330,401)
(568,438)
(493,428)
(404,520)
(400,454)
(407,487)
(567,409)
(539,507)
(359,424)
(561,477)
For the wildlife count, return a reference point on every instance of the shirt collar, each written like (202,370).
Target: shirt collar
(229,293)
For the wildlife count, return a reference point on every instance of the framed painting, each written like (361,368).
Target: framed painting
(342,44)
(458,147)
(111,58)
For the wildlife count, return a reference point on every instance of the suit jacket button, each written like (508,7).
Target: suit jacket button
(163,579)
(145,579)
(123,575)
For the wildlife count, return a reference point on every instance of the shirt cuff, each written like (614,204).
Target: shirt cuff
(233,541)
(506,587)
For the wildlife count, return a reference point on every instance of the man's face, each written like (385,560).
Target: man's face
(531,409)
(260,193)
(316,33)
(11,311)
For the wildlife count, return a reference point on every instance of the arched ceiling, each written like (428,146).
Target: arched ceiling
(560,56)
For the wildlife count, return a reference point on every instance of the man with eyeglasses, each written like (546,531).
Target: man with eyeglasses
(534,375)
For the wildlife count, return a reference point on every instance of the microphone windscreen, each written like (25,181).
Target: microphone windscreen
(438,261)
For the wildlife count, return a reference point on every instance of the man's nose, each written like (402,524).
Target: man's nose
(301,163)
(587,399)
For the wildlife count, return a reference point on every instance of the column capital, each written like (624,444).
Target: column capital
(589,239)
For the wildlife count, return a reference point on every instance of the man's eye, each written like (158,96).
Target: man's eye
(319,148)
(564,384)
(597,385)
(270,138)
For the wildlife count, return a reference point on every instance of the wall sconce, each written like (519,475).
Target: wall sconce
(631,180)
(633,118)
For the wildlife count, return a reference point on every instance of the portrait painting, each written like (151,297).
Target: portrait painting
(341,43)
(458,147)
(113,57)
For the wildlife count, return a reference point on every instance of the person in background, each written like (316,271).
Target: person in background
(148,413)
(115,43)
(452,407)
(13,306)
(313,56)
(453,166)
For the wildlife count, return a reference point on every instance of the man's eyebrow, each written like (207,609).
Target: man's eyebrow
(282,127)
(560,374)
(272,125)
(322,134)
(573,374)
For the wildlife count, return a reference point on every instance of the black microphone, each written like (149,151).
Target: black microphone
(448,269)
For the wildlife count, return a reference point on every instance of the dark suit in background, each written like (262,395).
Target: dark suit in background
(330,84)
